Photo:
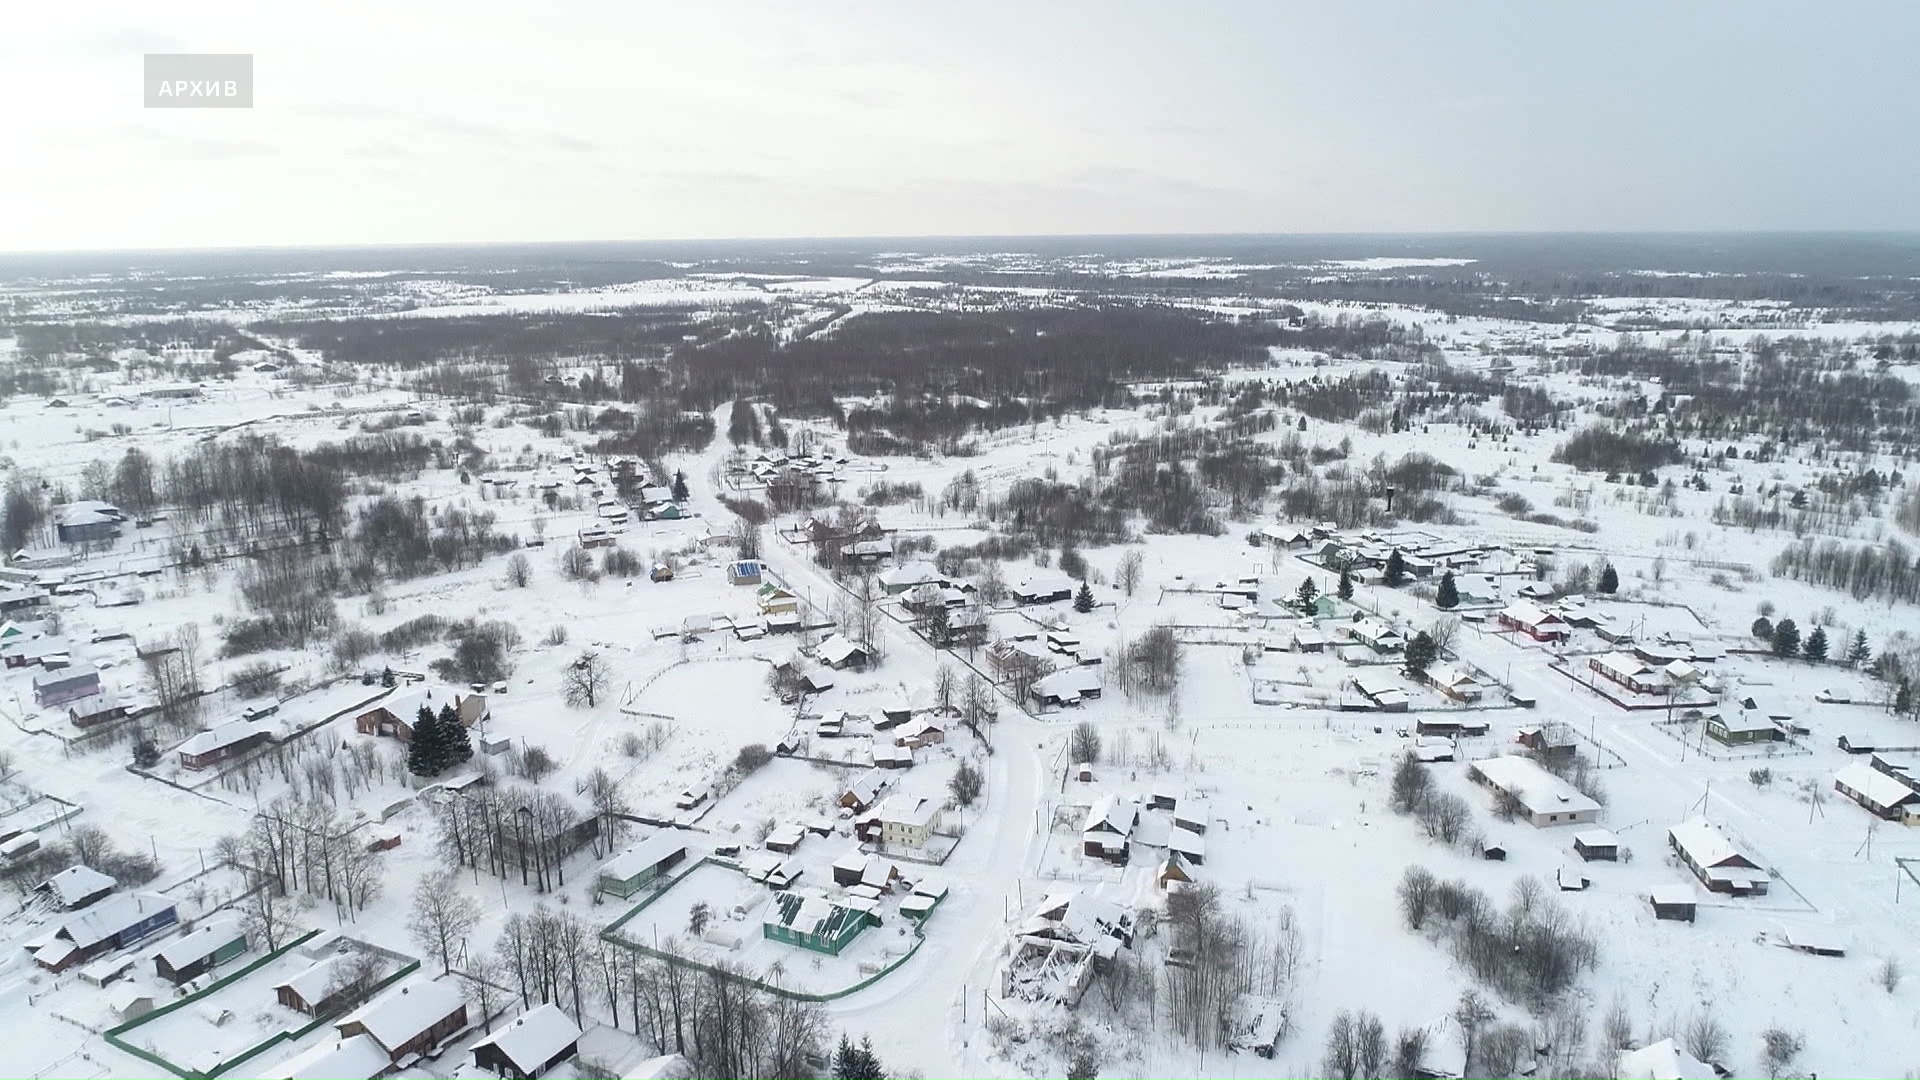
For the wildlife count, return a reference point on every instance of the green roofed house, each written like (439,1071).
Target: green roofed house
(812,921)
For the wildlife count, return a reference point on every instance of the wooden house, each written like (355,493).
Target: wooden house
(209,945)
(533,1044)
(412,1018)
(1675,902)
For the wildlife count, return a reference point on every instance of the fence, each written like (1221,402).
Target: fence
(114,1035)
(612,936)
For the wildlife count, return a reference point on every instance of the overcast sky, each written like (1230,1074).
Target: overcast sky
(403,122)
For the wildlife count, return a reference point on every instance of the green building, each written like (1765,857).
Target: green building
(812,922)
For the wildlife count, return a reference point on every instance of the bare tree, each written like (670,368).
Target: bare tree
(577,564)
(1409,1052)
(1085,742)
(1888,974)
(485,979)
(945,683)
(1416,895)
(519,570)
(609,804)
(1616,1028)
(1370,1044)
(1127,574)
(1779,1048)
(267,916)
(1342,1058)
(585,680)
(1706,1037)
(442,915)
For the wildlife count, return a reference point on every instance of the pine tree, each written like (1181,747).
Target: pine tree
(1903,698)
(1786,639)
(1396,570)
(1083,600)
(1762,628)
(679,486)
(1816,647)
(1609,579)
(1345,589)
(456,747)
(386,678)
(1421,652)
(423,752)
(1449,597)
(852,1062)
(1305,595)
(1859,652)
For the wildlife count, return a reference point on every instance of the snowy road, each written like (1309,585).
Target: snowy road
(918,1008)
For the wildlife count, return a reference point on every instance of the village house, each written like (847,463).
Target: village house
(1537,795)
(864,791)
(1377,635)
(114,923)
(1529,618)
(58,686)
(812,921)
(858,867)
(1628,671)
(1068,687)
(396,715)
(743,572)
(211,944)
(357,1057)
(1385,695)
(76,887)
(84,525)
(907,820)
(1286,537)
(1447,727)
(1714,859)
(1741,728)
(1551,740)
(223,743)
(321,990)
(412,1018)
(1043,587)
(841,654)
(1878,792)
(1108,829)
(910,575)
(642,865)
(1453,683)
(536,1041)
(1664,1060)
(772,599)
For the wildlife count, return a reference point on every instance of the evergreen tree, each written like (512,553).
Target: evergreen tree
(456,747)
(1305,595)
(1903,698)
(423,752)
(1816,647)
(1421,653)
(1449,597)
(1609,579)
(1859,652)
(386,678)
(679,486)
(852,1062)
(1083,600)
(1396,570)
(1786,639)
(1762,628)
(1345,589)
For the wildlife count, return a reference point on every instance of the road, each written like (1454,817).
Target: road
(990,873)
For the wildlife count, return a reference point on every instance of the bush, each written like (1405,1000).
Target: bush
(750,759)
(257,679)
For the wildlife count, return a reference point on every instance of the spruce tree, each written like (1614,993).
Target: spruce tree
(1859,652)
(1421,652)
(1345,589)
(423,752)
(1816,647)
(852,1062)
(1609,579)
(1449,597)
(386,678)
(1396,570)
(679,487)
(1903,698)
(1786,639)
(1083,600)
(1306,594)
(456,747)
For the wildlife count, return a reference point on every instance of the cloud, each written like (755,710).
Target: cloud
(176,146)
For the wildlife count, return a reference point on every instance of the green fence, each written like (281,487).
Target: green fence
(612,935)
(113,1034)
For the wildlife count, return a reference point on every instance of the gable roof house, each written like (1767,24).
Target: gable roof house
(1453,683)
(1529,618)
(1664,1060)
(1879,792)
(534,1043)
(211,944)
(411,1018)
(81,525)
(1538,795)
(907,820)
(812,921)
(1377,635)
(357,1057)
(842,654)
(320,990)
(229,740)
(910,575)
(395,715)
(76,887)
(113,923)
(1629,671)
(57,686)
(1714,859)
(1070,686)
(1107,832)
(865,790)
(1743,727)
(642,864)
(1043,587)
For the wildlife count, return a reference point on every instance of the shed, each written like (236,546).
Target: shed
(320,990)
(76,887)
(1592,844)
(642,864)
(1674,902)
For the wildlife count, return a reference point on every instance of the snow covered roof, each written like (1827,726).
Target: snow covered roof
(62,675)
(357,1057)
(112,915)
(1877,787)
(407,1010)
(868,785)
(1190,844)
(227,734)
(313,984)
(1596,838)
(643,856)
(1528,613)
(1664,1060)
(1707,846)
(1450,676)
(1111,813)
(76,883)
(210,937)
(1665,895)
(1746,721)
(535,1037)
(1622,664)
(837,649)
(1044,583)
(1070,682)
(908,810)
(664,1067)
(1538,790)
(913,572)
